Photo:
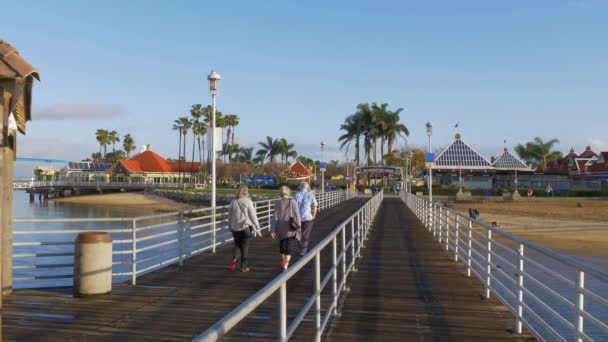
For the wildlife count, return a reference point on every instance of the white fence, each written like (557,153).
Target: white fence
(555,297)
(43,249)
(343,245)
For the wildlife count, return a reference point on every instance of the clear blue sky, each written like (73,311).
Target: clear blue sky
(502,70)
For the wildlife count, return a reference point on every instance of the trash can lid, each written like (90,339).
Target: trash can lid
(94,237)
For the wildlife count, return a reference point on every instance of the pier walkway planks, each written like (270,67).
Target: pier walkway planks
(172,304)
(407,288)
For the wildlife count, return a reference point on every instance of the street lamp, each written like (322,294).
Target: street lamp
(429,132)
(214,86)
(323,169)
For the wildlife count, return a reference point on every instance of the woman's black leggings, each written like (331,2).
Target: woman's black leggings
(241,243)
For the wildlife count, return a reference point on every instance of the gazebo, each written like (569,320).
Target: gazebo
(16,83)
(505,163)
(297,172)
(457,158)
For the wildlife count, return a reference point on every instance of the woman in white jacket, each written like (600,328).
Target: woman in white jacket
(244,225)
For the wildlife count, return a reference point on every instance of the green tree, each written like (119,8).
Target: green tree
(269,149)
(245,155)
(196,112)
(128,143)
(538,152)
(115,156)
(286,150)
(102,138)
(113,138)
(353,130)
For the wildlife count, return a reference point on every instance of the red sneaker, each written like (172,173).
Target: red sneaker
(232,266)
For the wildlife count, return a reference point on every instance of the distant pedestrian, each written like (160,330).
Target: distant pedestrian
(530,192)
(307,204)
(549,191)
(244,225)
(374,189)
(286,225)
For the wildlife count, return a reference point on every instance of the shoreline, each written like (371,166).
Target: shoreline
(125,199)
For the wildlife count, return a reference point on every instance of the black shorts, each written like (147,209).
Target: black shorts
(286,245)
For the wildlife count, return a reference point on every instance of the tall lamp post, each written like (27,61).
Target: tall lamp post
(214,85)
(322,170)
(429,132)
(411,159)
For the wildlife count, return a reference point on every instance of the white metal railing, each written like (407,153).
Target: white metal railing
(554,296)
(343,245)
(100,184)
(43,249)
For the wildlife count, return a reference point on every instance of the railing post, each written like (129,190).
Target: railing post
(134,252)
(353,246)
(269,215)
(344,256)
(580,305)
(447,219)
(457,227)
(488,264)
(318,297)
(334,266)
(469,246)
(447,231)
(440,220)
(520,290)
(282,312)
(180,237)
(213,220)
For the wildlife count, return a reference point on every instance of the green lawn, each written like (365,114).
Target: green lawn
(254,192)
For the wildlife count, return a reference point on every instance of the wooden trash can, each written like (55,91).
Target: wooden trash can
(92,264)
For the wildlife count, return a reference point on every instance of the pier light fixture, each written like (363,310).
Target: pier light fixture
(429,128)
(214,82)
(322,170)
(429,132)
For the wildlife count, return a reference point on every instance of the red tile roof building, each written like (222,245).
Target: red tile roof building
(297,171)
(150,165)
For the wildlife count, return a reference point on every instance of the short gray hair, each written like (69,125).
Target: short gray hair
(242,192)
(285,191)
(304,185)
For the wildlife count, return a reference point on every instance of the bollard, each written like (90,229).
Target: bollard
(92,264)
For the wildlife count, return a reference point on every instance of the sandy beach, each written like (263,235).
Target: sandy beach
(558,224)
(126,199)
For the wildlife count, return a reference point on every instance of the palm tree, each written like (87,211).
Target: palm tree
(286,150)
(229,121)
(128,144)
(113,138)
(200,129)
(538,152)
(353,130)
(182,124)
(394,129)
(269,149)
(245,155)
(196,112)
(102,137)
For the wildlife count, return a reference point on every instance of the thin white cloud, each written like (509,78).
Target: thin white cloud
(79,110)
(598,145)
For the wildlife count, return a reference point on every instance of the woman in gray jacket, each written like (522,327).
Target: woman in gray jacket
(244,225)
(285,211)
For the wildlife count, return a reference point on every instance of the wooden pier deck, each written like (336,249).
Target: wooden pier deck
(171,304)
(407,289)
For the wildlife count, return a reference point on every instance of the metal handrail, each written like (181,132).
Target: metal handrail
(152,241)
(572,314)
(359,222)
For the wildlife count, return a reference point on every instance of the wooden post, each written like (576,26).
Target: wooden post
(7,160)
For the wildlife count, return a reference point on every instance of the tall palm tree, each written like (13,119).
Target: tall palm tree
(538,152)
(394,129)
(128,144)
(113,138)
(183,124)
(353,130)
(229,121)
(102,137)
(177,126)
(269,149)
(286,150)
(196,112)
(200,129)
